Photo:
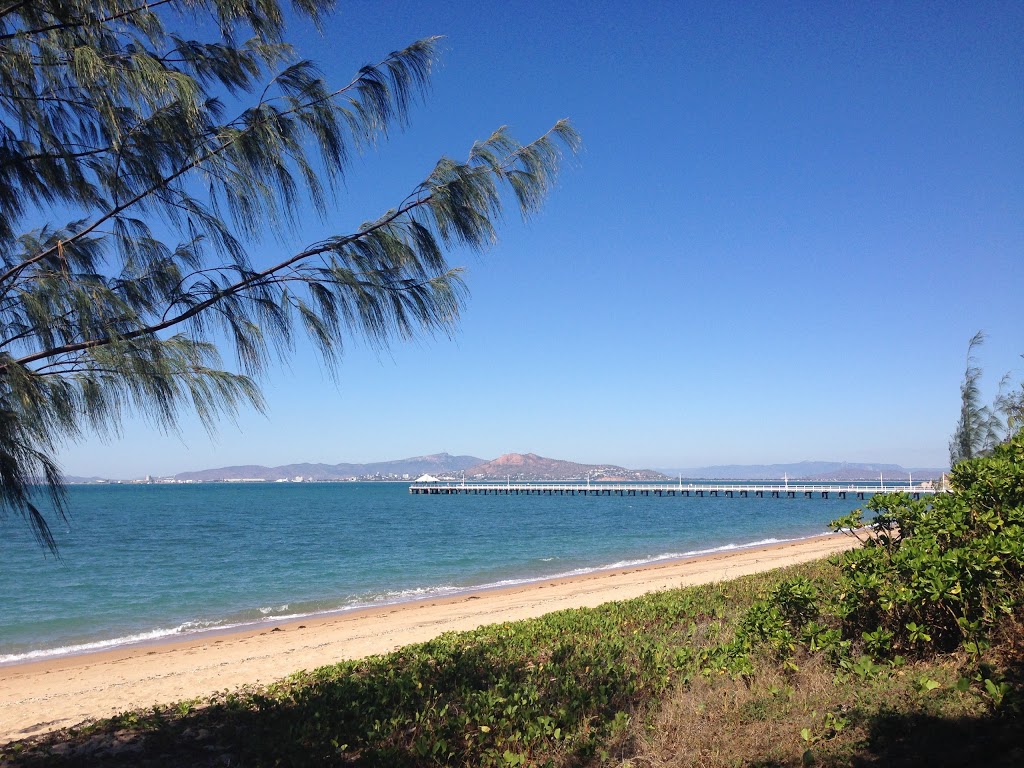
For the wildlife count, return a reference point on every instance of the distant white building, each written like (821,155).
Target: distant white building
(427,479)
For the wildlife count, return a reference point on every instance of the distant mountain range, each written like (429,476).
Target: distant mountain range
(75,479)
(521,467)
(435,464)
(806,470)
(529,467)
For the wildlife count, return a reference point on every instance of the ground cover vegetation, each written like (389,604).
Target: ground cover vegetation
(907,650)
(152,154)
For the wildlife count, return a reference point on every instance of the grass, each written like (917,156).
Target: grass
(635,683)
(904,715)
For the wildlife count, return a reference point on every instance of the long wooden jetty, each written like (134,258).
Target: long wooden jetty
(728,490)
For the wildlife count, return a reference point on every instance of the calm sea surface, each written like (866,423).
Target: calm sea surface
(141,562)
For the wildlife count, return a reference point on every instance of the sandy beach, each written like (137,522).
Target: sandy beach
(46,695)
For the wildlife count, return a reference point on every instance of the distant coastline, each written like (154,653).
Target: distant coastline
(529,467)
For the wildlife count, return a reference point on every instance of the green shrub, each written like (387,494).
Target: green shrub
(938,574)
(932,576)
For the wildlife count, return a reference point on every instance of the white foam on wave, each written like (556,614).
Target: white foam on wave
(698,552)
(415,593)
(187,628)
(98,645)
(422,593)
(270,609)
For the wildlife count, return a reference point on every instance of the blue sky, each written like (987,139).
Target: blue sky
(786,223)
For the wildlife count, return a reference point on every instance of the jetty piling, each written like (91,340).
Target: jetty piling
(725,490)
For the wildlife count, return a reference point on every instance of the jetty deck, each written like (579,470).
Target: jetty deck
(727,490)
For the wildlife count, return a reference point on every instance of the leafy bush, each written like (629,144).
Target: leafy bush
(932,576)
(781,618)
(938,574)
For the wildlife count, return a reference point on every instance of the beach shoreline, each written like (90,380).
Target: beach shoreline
(166,636)
(41,695)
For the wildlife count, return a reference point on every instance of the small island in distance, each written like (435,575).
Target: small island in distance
(529,467)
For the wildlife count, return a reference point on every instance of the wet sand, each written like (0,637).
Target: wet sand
(45,695)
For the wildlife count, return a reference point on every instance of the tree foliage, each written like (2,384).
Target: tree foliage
(131,191)
(978,429)
(1010,407)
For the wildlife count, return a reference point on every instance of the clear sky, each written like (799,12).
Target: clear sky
(787,221)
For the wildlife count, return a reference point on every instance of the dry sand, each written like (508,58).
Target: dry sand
(46,695)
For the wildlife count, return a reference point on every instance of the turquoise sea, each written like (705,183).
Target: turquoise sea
(142,562)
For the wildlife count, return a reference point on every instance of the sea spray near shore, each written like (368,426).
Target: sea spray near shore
(145,563)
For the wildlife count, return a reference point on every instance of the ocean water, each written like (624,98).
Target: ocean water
(142,562)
